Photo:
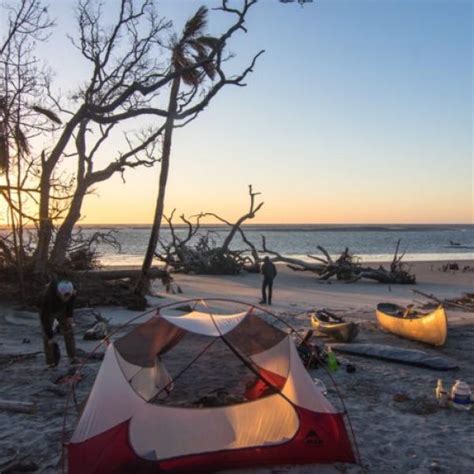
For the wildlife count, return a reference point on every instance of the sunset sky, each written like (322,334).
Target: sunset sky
(358,112)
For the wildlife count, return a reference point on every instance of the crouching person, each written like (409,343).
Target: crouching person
(57,304)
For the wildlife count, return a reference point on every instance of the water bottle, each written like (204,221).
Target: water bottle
(461,395)
(333,365)
(441,394)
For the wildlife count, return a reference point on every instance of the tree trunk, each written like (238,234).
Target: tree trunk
(142,283)
(45,230)
(63,237)
(45,225)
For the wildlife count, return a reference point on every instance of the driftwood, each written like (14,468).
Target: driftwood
(197,252)
(462,303)
(14,467)
(115,287)
(347,267)
(124,274)
(293,263)
(17,407)
(9,359)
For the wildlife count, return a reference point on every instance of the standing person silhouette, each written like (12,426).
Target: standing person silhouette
(269,273)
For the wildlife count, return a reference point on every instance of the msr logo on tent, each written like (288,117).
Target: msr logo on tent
(313,438)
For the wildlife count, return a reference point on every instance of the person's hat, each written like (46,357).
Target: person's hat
(65,288)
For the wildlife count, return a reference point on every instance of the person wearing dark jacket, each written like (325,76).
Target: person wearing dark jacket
(57,304)
(269,273)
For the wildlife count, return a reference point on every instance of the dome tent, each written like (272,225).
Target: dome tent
(135,419)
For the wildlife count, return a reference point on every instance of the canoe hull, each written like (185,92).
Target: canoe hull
(341,332)
(431,328)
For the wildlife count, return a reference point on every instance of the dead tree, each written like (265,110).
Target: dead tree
(134,57)
(347,267)
(124,82)
(294,263)
(22,78)
(197,252)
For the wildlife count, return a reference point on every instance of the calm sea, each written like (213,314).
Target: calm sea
(370,242)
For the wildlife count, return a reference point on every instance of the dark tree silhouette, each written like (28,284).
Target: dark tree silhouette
(195,57)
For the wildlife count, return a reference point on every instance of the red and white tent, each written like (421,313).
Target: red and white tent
(134,420)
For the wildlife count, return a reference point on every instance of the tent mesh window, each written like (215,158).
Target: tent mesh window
(170,366)
(216,378)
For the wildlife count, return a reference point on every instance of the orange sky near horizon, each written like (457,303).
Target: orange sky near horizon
(291,204)
(374,128)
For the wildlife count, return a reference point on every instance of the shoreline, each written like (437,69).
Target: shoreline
(417,263)
(136,261)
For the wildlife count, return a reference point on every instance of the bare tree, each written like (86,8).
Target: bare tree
(134,59)
(123,84)
(22,80)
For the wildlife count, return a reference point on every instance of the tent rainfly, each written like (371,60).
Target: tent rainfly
(134,421)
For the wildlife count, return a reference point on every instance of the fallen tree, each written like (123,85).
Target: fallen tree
(197,252)
(82,267)
(132,273)
(347,267)
(464,302)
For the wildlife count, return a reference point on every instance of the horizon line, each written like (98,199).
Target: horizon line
(293,223)
(296,224)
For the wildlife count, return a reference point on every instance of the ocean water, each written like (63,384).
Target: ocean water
(369,242)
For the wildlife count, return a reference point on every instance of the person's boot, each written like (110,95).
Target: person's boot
(262,302)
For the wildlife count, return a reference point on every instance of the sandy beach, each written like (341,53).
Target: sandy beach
(398,424)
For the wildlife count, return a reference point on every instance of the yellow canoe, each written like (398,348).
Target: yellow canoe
(430,328)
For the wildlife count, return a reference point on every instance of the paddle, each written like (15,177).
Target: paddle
(331,315)
(408,310)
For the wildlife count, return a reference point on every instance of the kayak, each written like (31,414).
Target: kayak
(430,328)
(339,330)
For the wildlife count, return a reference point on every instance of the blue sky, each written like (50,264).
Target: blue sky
(359,111)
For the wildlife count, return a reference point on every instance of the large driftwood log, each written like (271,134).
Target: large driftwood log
(122,274)
(115,287)
(17,407)
(346,267)
(293,263)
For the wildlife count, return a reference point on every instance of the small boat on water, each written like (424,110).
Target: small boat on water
(328,324)
(430,328)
